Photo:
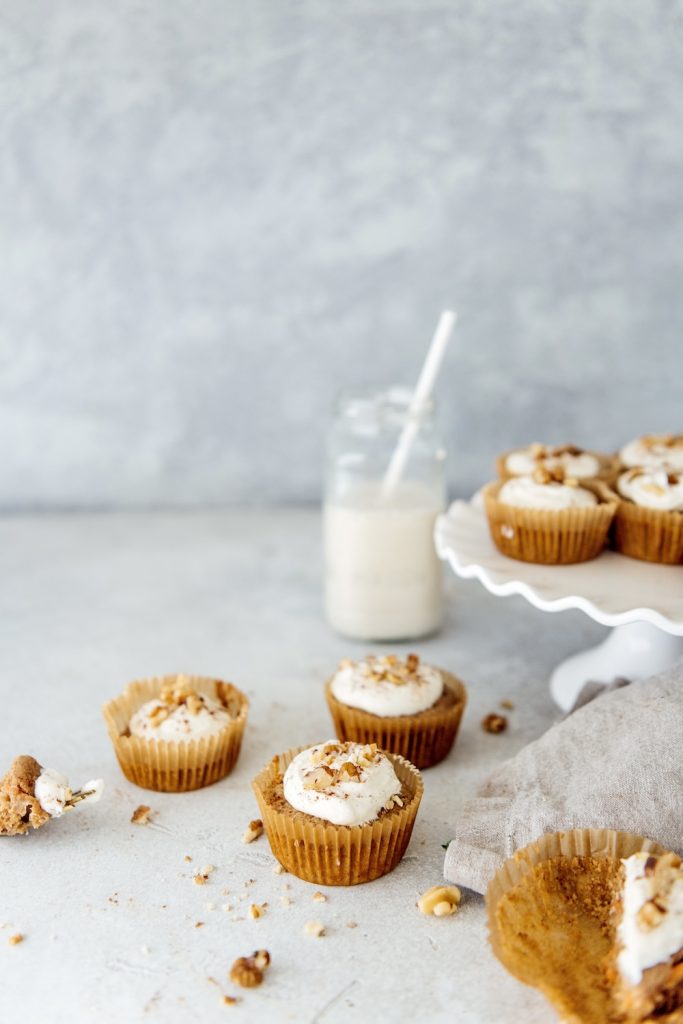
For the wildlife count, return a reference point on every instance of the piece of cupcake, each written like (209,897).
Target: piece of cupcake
(654,450)
(404,706)
(647,972)
(549,518)
(31,795)
(573,461)
(177,733)
(649,520)
(338,813)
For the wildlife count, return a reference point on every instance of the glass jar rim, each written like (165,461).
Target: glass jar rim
(382,404)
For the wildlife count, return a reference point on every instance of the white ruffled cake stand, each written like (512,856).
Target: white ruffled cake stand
(641,600)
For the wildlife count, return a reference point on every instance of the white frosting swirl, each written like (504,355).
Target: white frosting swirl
(524,492)
(644,944)
(345,783)
(573,461)
(53,793)
(178,720)
(388,686)
(656,487)
(654,450)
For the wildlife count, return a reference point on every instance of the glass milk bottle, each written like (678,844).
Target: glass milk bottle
(382,576)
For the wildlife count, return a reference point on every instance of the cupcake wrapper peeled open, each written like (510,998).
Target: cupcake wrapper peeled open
(648,534)
(423,739)
(175,767)
(327,854)
(550,537)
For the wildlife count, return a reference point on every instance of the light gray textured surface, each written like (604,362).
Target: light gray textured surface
(214,214)
(109,909)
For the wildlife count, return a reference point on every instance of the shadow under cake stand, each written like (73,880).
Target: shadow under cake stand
(641,600)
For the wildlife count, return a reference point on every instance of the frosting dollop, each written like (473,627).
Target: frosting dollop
(657,487)
(179,714)
(654,450)
(574,461)
(388,685)
(55,796)
(545,491)
(651,926)
(344,783)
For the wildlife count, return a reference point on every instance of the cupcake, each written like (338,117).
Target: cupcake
(574,462)
(646,976)
(552,918)
(338,813)
(649,520)
(654,450)
(548,517)
(404,706)
(31,795)
(177,733)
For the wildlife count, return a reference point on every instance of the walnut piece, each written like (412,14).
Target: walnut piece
(253,831)
(14,940)
(247,971)
(440,900)
(257,910)
(141,815)
(320,897)
(494,723)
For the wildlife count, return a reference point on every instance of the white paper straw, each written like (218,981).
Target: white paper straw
(425,385)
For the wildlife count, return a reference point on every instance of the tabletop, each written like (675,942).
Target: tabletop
(114,926)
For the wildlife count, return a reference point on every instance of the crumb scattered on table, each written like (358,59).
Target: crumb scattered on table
(14,940)
(494,723)
(253,831)
(314,928)
(141,815)
(320,897)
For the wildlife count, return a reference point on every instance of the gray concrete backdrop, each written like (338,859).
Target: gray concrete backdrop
(215,213)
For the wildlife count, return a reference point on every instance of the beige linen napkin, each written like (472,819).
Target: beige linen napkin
(615,763)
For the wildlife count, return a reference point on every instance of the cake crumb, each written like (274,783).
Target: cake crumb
(257,910)
(314,928)
(202,877)
(187,858)
(320,897)
(199,924)
(285,901)
(351,924)
(494,723)
(141,815)
(507,704)
(230,1001)
(253,831)
(14,940)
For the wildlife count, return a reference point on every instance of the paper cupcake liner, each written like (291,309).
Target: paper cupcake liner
(169,767)
(523,929)
(327,854)
(609,467)
(648,533)
(551,537)
(423,739)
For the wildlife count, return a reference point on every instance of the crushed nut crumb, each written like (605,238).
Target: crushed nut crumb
(314,928)
(253,831)
(257,910)
(285,901)
(494,723)
(247,971)
(320,897)
(141,815)
(440,900)
(507,705)
(278,869)
(351,924)
(14,940)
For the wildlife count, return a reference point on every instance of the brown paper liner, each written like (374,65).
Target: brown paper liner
(609,467)
(176,767)
(327,854)
(550,537)
(549,916)
(423,739)
(648,533)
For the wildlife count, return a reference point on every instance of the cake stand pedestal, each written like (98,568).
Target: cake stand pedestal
(641,600)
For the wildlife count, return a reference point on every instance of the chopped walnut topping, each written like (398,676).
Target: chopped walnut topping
(14,940)
(494,723)
(552,475)
(257,910)
(350,769)
(412,663)
(141,815)
(649,915)
(314,928)
(247,971)
(320,897)
(253,831)
(440,900)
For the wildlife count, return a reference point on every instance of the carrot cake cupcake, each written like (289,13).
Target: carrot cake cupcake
(649,519)
(573,461)
(654,450)
(403,705)
(177,733)
(31,795)
(549,517)
(338,813)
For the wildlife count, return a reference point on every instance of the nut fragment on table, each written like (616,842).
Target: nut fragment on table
(314,928)
(320,897)
(247,971)
(253,831)
(507,704)
(494,723)
(14,940)
(141,815)
(440,900)
(257,910)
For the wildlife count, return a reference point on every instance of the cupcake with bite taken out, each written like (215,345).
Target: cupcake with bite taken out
(403,705)
(549,517)
(338,813)
(177,733)
(649,520)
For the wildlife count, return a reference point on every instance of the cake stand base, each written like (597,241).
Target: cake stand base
(633,651)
